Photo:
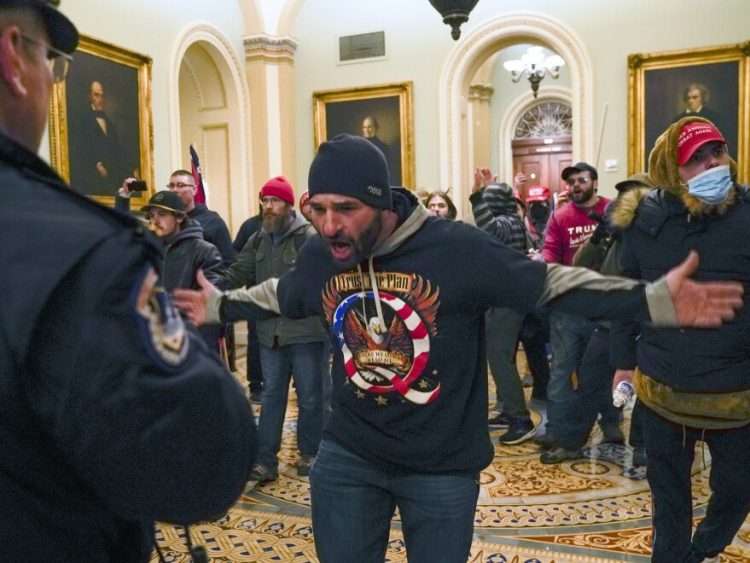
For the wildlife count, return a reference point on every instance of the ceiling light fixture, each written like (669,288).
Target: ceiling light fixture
(455,13)
(534,65)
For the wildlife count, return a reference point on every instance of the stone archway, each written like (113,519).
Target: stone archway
(467,57)
(208,94)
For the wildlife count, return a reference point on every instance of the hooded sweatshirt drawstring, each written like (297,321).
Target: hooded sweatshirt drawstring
(377,330)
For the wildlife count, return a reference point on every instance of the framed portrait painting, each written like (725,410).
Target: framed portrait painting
(100,121)
(381,114)
(712,82)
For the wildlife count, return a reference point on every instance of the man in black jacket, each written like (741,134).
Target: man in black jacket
(215,229)
(112,414)
(185,251)
(692,384)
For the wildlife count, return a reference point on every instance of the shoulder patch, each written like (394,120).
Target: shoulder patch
(162,329)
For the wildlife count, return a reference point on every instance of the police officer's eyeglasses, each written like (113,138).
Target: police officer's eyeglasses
(178,186)
(57,61)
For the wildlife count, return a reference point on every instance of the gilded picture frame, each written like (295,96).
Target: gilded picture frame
(383,112)
(100,122)
(713,82)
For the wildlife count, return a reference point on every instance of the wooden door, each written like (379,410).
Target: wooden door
(542,160)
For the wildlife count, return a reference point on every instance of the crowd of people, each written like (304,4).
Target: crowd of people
(119,411)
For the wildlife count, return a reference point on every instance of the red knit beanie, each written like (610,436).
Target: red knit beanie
(278,187)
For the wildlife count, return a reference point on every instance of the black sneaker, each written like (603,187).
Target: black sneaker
(546,441)
(263,474)
(303,465)
(558,455)
(518,432)
(499,421)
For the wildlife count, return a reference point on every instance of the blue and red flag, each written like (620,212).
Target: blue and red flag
(195,167)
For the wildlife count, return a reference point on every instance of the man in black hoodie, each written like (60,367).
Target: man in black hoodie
(408,427)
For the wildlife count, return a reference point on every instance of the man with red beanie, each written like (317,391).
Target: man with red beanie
(288,347)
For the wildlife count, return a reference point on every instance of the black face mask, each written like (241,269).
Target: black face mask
(539,212)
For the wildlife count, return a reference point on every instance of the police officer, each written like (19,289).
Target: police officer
(113,414)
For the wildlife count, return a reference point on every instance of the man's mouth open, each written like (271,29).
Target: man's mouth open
(340,250)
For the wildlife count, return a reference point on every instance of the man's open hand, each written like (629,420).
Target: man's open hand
(701,304)
(194,303)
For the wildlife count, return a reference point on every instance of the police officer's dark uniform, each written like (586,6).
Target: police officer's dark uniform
(112,413)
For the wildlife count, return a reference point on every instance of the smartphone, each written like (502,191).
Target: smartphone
(137,186)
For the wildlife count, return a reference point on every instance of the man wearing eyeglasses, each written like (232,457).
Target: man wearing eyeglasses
(215,229)
(104,391)
(567,230)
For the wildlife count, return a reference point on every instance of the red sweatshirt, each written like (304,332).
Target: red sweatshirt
(568,228)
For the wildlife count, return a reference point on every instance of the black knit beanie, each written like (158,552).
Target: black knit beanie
(354,167)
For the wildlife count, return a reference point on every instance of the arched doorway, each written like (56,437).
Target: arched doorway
(209,97)
(469,55)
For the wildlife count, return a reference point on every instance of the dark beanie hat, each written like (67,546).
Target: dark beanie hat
(354,167)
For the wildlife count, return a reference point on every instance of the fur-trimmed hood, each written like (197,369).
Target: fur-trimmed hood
(662,168)
(624,207)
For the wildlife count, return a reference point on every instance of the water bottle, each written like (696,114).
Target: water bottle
(622,393)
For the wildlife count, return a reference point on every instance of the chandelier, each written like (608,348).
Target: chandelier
(455,13)
(534,65)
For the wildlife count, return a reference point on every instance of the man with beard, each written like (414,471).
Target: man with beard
(288,347)
(567,230)
(408,428)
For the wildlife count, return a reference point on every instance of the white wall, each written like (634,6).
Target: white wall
(151,27)
(418,43)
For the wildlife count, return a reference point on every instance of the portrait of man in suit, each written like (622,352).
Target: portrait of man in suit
(103,125)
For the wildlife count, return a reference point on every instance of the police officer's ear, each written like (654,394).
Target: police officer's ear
(12,61)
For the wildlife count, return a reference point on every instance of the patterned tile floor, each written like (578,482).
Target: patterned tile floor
(579,511)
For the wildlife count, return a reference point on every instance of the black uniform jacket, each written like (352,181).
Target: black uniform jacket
(112,414)
(660,237)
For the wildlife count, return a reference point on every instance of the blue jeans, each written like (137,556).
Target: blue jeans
(353,501)
(303,362)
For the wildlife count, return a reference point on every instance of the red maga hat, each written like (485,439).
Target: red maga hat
(538,193)
(693,136)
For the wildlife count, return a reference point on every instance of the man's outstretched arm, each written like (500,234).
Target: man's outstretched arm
(673,300)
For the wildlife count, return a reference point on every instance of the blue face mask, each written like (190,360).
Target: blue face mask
(711,186)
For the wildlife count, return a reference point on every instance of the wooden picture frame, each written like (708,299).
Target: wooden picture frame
(388,111)
(100,122)
(664,86)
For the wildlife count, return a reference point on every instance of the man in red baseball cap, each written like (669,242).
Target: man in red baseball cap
(691,386)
